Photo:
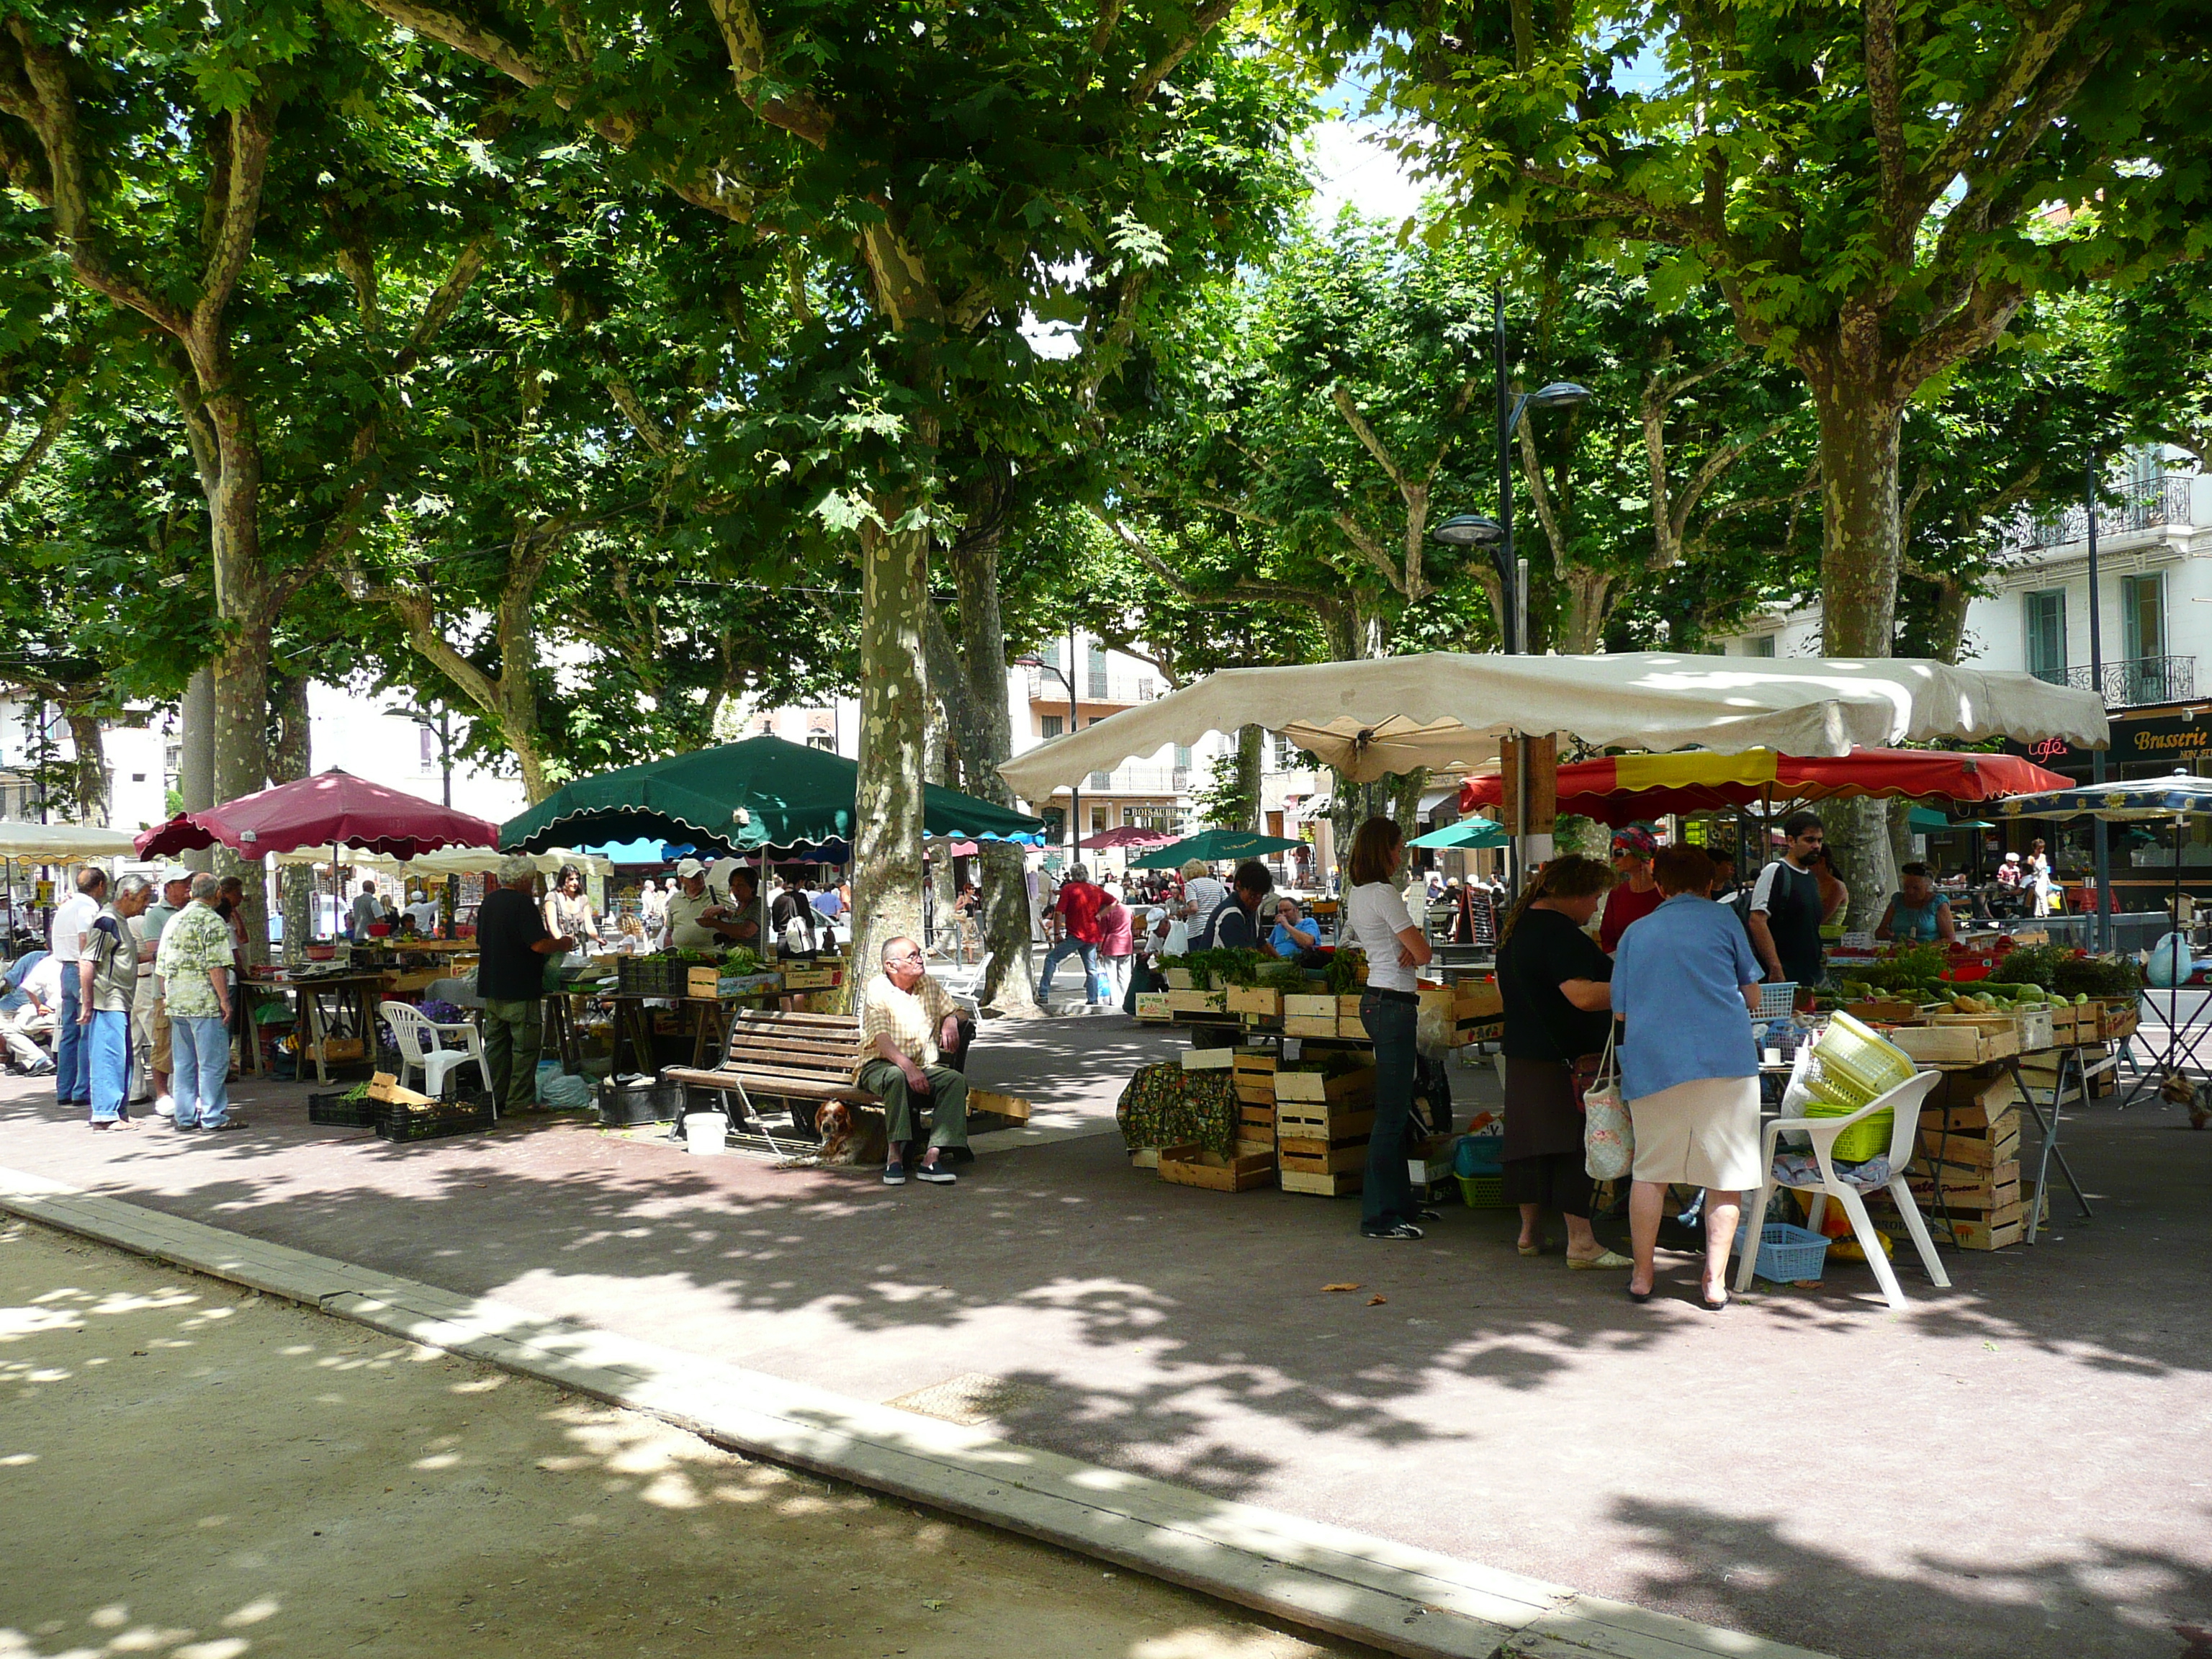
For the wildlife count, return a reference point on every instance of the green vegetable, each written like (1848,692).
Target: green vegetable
(1344,971)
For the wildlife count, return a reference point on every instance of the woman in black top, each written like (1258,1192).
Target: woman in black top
(1554,981)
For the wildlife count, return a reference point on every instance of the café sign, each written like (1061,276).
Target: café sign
(2173,738)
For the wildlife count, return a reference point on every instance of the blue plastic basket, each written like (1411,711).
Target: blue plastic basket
(1787,1254)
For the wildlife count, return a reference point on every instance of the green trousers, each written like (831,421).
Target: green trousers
(513,1032)
(946,1102)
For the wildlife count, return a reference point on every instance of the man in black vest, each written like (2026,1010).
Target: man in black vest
(1786,912)
(1235,923)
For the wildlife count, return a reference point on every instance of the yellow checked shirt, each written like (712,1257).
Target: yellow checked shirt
(909,1019)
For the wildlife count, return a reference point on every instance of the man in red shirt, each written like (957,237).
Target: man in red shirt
(1078,907)
(1636,894)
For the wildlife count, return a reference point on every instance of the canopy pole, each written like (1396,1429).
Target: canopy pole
(2100,836)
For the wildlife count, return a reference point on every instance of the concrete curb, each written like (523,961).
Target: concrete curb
(1390,1595)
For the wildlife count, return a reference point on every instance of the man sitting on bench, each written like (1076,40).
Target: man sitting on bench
(908,1020)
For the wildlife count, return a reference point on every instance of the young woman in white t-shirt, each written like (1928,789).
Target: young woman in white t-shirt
(1375,921)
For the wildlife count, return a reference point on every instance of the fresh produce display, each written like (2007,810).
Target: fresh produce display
(2030,964)
(2111,978)
(742,959)
(1917,973)
(1216,970)
(1344,969)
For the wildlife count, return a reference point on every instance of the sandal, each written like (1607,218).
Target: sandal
(1593,1264)
(1537,1248)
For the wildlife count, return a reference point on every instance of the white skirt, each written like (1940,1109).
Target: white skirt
(1704,1133)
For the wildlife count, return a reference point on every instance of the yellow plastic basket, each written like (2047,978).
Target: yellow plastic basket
(1857,1056)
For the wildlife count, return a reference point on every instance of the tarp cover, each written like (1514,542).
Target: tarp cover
(1448,711)
(60,843)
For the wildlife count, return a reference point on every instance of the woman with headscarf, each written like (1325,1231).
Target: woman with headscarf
(1555,983)
(1634,894)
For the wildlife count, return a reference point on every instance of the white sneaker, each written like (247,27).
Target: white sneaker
(166,1106)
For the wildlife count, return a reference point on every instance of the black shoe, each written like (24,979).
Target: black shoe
(1402,1230)
(1427,1214)
(1642,1297)
(228,1124)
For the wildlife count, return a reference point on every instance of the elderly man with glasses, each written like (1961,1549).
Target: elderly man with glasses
(909,1022)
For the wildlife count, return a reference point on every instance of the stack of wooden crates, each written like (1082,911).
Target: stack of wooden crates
(1966,1177)
(1321,1127)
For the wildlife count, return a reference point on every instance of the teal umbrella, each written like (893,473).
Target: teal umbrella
(740,797)
(1214,847)
(1467,832)
(1924,822)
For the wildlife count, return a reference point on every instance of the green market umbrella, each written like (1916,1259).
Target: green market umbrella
(1214,847)
(1467,832)
(740,797)
(1924,820)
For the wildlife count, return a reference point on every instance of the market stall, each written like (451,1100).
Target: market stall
(1302,1044)
(54,844)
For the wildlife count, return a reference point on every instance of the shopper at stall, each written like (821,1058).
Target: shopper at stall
(908,1024)
(792,919)
(1918,913)
(423,911)
(652,904)
(1635,895)
(1378,922)
(2039,882)
(107,984)
(697,920)
(1076,912)
(1835,892)
(1685,982)
(1786,910)
(1202,892)
(1554,981)
(569,912)
(1294,930)
(513,943)
(1117,944)
(194,961)
(367,908)
(72,920)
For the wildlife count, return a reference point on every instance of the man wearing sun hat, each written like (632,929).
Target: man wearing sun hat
(1635,894)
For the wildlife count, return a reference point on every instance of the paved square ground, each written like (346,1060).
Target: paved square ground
(2016,1466)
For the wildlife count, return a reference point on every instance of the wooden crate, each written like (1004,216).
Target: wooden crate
(1338,1185)
(1886,1011)
(1956,1045)
(990,1100)
(1260,1000)
(2116,1019)
(1309,1025)
(1194,1166)
(1301,1005)
(1328,1161)
(1978,1235)
(2070,1024)
(1207,1060)
(1256,1124)
(1982,1190)
(1199,1002)
(703,983)
(1348,1007)
(1322,1124)
(1969,1151)
(1178,979)
(1144,1157)
(812,979)
(1260,1093)
(1153,1004)
(1313,1086)
(1998,1115)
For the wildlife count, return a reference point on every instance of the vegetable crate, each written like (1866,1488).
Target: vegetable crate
(1259,1000)
(1153,1004)
(1199,1002)
(1957,1044)
(1313,1087)
(1336,1184)
(1252,1074)
(1309,1016)
(704,983)
(1194,1166)
(812,979)
(437,1120)
(338,1111)
(646,976)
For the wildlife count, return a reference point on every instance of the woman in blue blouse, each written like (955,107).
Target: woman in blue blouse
(1685,980)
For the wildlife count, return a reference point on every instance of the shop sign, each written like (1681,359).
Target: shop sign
(2173,738)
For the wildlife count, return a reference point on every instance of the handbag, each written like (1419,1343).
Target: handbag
(1608,1137)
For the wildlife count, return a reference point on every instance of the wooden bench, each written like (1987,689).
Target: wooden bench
(805,1061)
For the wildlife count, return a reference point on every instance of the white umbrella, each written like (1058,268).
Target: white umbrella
(1447,711)
(63,843)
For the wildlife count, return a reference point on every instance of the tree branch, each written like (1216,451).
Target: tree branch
(802,115)
(51,425)
(1885,101)
(1206,20)
(2042,30)
(1248,590)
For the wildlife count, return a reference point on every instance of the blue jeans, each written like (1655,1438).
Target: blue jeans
(72,1083)
(107,1058)
(1080,948)
(200,1076)
(1386,1197)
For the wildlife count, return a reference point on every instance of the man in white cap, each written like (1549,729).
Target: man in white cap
(697,920)
(149,1011)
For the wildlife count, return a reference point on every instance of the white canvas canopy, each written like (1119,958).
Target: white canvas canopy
(63,843)
(1448,711)
(453,860)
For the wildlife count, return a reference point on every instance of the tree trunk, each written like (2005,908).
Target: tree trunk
(971,681)
(91,765)
(1859,550)
(290,759)
(943,889)
(242,763)
(196,758)
(1249,759)
(894,690)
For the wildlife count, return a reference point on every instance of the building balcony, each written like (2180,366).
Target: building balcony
(2131,683)
(2145,506)
(1151,780)
(1046,687)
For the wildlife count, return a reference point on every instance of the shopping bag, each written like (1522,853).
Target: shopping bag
(1608,1138)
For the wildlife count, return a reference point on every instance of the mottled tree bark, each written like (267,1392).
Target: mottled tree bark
(289,760)
(91,765)
(894,687)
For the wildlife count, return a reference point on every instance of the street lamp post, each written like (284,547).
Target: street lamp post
(1472,530)
(2100,839)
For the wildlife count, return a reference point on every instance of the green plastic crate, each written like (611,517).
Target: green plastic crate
(1482,1192)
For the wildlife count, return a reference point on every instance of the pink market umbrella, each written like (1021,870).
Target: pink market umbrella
(1128,835)
(331,809)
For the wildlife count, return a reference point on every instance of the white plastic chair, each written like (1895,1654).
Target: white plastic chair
(1905,1101)
(420,1040)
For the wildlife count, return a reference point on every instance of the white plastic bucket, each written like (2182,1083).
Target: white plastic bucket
(706,1134)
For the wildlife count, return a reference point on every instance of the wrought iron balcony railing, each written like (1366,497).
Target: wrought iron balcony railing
(2144,506)
(2133,683)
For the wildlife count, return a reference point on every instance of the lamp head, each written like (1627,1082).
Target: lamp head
(1558,395)
(1468,530)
